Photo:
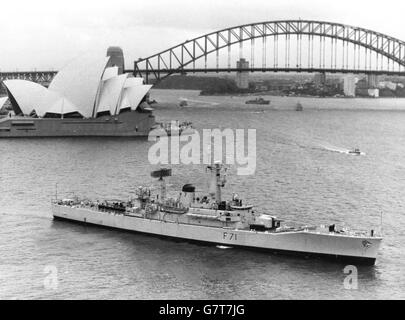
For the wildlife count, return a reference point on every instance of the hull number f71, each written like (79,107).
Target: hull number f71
(229,236)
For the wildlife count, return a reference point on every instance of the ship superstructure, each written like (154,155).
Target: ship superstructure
(209,218)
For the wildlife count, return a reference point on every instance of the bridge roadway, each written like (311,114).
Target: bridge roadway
(298,70)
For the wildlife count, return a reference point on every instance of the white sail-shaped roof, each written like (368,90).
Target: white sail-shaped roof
(3,101)
(110,72)
(79,81)
(134,95)
(85,86)
(62,106)
(110,95)
(28,95)
(133,81)
(31,96)
(124,104)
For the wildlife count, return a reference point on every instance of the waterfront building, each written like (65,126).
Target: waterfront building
(242,77)
(372,81)
(88,97)
(388,85)
(349,86)
(116,58)
(320,79)
(84,88)
(374,92)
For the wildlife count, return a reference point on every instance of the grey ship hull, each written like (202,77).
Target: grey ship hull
(304,243)
(127,124)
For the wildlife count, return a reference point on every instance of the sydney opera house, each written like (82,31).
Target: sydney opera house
(90,96)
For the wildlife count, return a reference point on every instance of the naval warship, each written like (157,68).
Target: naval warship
(209,219)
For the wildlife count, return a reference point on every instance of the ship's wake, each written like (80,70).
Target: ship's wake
(198,103)
(314,144)
(329,147)
(223,247)
(332,148)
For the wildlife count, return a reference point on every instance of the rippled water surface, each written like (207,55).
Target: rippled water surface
(303,174)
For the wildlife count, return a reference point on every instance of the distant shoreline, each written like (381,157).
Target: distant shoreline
(276,94)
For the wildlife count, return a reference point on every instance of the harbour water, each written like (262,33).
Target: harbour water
(303,174)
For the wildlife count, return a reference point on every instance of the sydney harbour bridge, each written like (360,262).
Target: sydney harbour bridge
(272,46)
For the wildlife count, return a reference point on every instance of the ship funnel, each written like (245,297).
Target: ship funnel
(187,195)
(161,174)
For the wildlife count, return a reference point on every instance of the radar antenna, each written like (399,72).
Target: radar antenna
(160,174)
(218,181)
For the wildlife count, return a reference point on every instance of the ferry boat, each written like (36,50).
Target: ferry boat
(258,101)
(210,219)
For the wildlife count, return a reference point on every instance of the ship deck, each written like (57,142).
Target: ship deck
(319,230)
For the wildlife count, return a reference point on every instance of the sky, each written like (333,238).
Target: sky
(46,34)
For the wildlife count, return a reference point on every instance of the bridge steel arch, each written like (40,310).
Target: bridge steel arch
(175,59)
(34,76)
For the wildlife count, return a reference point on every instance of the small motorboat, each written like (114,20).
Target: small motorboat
(183,103)
(355,151)
(299,107)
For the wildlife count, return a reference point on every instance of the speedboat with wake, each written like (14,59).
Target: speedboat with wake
(355,152)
